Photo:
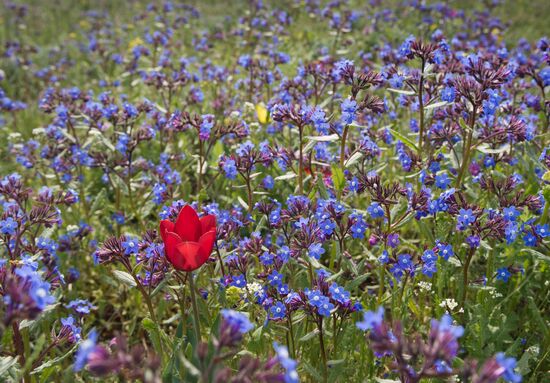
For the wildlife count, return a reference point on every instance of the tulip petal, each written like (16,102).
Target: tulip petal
(188,226)
(206,243)
(187,254)
(208,222)
(165,226)
(171,241)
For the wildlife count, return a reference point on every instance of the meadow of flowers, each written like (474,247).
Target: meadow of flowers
(273,191)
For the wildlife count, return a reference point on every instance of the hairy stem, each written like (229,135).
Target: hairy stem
(195,308)
(343,147)
(421,109)
(301,162)
(467,148)
(323,352)
(465,276)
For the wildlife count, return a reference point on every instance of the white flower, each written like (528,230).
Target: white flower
(254,288)
(451,304)
(425,286)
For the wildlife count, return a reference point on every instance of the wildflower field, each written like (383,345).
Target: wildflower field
(275,191)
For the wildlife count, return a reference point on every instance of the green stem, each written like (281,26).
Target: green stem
(465,277)
(343,147)
(199,175)
(421,109)
(195,308)
(467,149)
(301,160)
(382,282)
(323,352)
(291,330)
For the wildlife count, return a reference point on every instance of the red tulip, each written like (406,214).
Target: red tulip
(188,242)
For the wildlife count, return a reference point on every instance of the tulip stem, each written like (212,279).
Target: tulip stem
(195,309)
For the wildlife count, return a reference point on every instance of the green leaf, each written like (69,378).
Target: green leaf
(403,139)
(338,178)
(6,364)
(436,105)
(125,278)
(536,254)
(287,176)
(54,361)
(243,203)
(328,138)
(401,91)
(484,148)
(309,335)
(154,333)
(99,200)
(313,372)
(353,159)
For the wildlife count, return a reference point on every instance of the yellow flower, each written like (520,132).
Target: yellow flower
(261,112)
(233,295)
(134,43)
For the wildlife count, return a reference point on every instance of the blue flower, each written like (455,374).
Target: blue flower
(358,228)
(473,241)
(8,226)
(268,182)
(445,251)
(278,311)
(275,278)
(131,246)
(349,108)
(384,258)
(239,281)
(80,306)
(319,121)
(325,307)
(404,262)
(503,274)
(371,319)
(316,250)
(448,94)
(327,226)
(338,293)
(509,364)
(130,109)
(284,254)
(74,331)
(315,297)
(267,258)
(428,269)
(543,230)
(530,239)
(291,376)
(206,126)
(375,210)
(511,213)
(84,351)
(442,367)
(429,256)
(396,81)
(238,320)
(283,289)
(465,218)
(491,104)
(405,48)
(353,184)
(122,143)
(40,293)
(442,181)
(511,232)
(230,168)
